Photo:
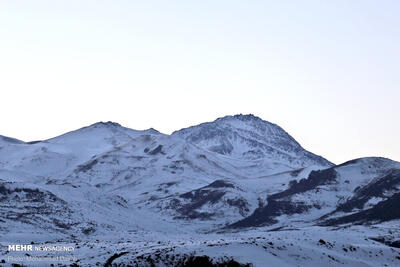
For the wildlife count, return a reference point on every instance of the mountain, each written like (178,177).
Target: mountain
(325,194)
(237,186)
(249,137)
(58,156)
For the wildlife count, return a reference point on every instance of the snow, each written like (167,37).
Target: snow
(105,189)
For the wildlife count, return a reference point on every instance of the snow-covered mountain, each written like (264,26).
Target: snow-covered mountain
(327,195)
(249,137)
(238,175)
(57,156)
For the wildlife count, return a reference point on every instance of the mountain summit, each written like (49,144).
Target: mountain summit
(249,137)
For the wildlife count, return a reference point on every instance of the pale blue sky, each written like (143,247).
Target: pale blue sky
(328,72)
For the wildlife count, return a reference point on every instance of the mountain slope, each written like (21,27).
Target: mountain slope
(357,184)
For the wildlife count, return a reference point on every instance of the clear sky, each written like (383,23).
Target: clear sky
(328,72)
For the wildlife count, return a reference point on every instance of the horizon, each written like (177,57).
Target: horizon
(327,73)
(232,115)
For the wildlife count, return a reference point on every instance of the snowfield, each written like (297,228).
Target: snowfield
(237,189)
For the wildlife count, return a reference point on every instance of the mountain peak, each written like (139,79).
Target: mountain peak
(248,119)
(108,123)
(152,131)
(250,137)
(242,117)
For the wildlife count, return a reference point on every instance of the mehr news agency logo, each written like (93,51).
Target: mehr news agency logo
(40,248)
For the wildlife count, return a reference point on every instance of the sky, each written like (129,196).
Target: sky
(328,72)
